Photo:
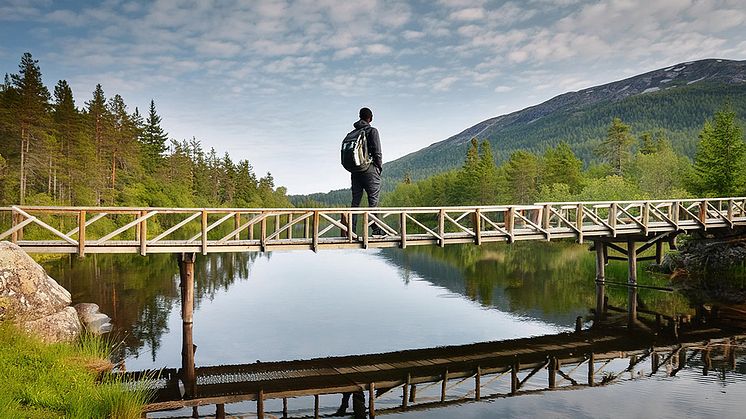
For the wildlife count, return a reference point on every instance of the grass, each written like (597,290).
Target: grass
(59,380)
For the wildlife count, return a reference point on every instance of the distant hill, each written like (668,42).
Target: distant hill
(677,99)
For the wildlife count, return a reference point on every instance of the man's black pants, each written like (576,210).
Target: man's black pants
(368,181)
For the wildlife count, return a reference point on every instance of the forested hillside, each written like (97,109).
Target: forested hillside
(53,152)
(674,102)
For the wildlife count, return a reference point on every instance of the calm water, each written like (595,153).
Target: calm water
(295,305)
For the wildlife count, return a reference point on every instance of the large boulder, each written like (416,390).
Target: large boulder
(33,300)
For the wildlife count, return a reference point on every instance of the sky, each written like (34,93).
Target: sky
(279,83)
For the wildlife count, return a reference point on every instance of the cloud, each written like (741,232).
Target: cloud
(378,49)
(445,83)
(503,89)
(473,13)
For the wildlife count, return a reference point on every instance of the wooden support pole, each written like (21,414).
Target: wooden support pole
(631,280)
(591,369)
(706,361)
(220,411)
(260,404)
(478,384)
(284,408)
(514,383)
(316,406)
(188,373)
(372,400)
(552,372)
(81,233)
(405,391)
(658,252)
(412,393)
(186,273)
(600,280)
(443,386)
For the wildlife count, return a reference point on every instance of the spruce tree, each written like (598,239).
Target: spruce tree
(153,140)
(31,121)
(720,156)
(615,149)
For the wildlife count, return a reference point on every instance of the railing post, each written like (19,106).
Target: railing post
(510,223)
(403,227)
(442,226)
(365,229)
(81,233)
(290,228)
(204,232)
(477,227)
(646,217)
(730,213)
(236,225)
(143,234)
(263,234)
(315,241)
(613,218)
(675,213)
(579,215)
(703,213)
(546,216)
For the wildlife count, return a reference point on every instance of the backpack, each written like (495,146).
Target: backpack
(355,157)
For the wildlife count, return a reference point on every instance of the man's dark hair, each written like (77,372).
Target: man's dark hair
(366,114)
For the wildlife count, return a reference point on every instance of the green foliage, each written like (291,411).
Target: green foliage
(610,188)
(719,161)
(559,165)
(661,174)
(59,380)
(615,149)
(55,154)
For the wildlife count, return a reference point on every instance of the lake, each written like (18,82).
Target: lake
(299,305)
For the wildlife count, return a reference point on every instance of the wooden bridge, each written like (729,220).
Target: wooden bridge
(83,230)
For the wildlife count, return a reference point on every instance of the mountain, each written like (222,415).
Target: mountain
(676,99)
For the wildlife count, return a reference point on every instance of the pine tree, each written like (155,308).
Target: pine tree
(98,120)
(31,110)
(560,165)
(719,161)
(615,149)
(153,140)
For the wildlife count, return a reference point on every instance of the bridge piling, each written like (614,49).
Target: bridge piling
(632,281)
(600,279)
(186,273)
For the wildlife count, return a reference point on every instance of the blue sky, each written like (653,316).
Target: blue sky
(280,82)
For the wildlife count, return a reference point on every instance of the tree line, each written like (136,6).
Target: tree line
(54,153)
(631,167)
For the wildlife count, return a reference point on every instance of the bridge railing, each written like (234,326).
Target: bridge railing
(171,230)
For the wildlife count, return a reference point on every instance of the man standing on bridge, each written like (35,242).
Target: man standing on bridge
(370,179)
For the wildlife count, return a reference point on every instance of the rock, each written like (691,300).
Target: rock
(94,321)
(33,300)
(26,291)
(63,326)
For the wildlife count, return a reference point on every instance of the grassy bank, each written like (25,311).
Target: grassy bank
(59,380)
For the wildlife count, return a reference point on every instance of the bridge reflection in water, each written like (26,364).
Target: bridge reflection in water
(427,378)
